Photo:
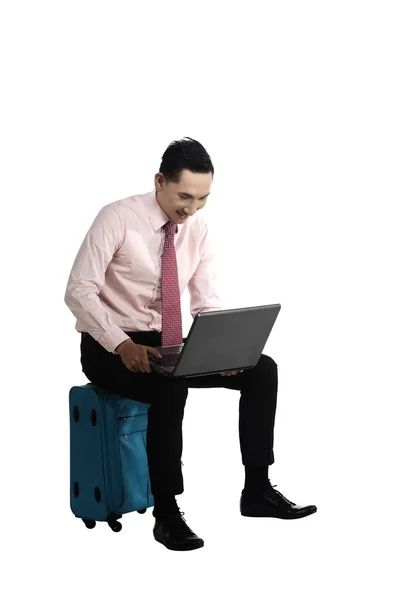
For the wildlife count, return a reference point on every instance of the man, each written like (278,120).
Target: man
(124,289)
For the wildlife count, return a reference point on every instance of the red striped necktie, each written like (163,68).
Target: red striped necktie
(171,316)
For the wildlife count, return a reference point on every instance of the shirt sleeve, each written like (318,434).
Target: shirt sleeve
(202,285)
(87,278)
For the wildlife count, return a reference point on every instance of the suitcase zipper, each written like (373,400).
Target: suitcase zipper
(107,459)
(125,435)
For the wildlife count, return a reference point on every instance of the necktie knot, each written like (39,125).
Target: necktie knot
(170,227)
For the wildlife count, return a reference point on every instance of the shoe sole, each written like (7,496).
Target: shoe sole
(181,548)
(261,513)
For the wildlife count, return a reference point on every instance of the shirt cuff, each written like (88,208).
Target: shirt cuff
(111,338)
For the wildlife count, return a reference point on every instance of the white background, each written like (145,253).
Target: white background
(297,104)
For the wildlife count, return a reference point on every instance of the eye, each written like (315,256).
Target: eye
(184,198)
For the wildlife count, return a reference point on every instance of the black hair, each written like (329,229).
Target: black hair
(186,153)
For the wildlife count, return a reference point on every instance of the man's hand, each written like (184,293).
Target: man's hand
(134,356)
(231,372)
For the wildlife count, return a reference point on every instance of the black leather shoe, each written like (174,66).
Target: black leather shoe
(174,533)
(272,503)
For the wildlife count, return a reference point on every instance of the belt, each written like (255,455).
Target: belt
(86,334)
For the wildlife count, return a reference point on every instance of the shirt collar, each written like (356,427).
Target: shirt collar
(157,216)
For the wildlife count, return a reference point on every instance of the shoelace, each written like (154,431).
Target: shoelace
(180,525)
(281,497)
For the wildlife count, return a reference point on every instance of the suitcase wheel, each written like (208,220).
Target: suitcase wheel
(115,525)
(142,511)
(89,524)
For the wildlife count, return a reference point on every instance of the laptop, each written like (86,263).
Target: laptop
(219,340)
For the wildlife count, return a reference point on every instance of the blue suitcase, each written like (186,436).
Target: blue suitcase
(109,473)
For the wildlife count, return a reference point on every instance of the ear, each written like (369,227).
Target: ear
(159,182)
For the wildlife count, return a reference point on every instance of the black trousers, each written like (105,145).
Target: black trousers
(167,396)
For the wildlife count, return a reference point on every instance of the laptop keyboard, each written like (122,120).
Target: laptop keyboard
(169,360)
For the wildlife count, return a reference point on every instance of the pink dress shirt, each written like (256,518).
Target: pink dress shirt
(115,282)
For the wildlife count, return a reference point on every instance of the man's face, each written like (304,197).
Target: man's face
(187,196)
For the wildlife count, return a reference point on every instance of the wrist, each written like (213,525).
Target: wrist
(122,345)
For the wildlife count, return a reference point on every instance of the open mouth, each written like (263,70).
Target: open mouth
(182,216)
